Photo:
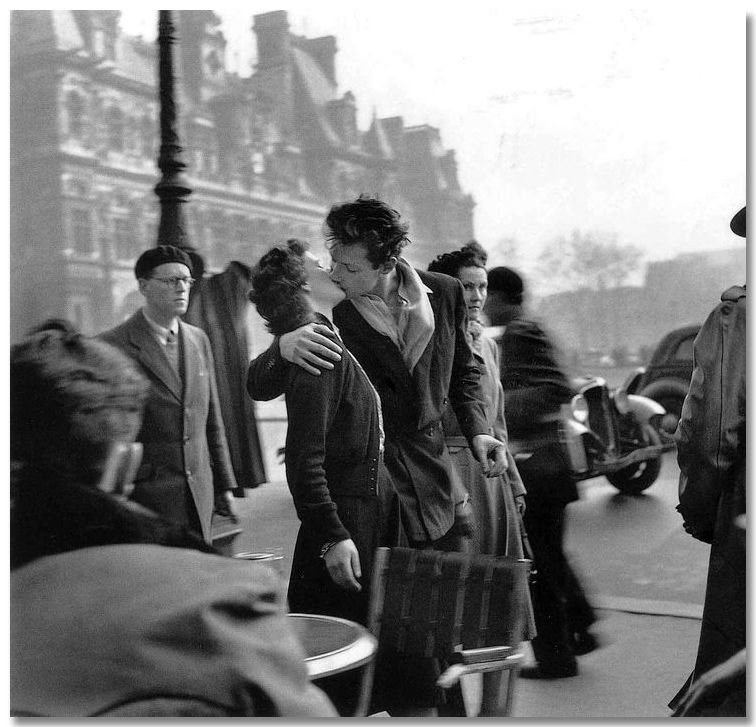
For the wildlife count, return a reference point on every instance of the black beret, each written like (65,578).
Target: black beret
(738,223)
(507,281)
(160,255)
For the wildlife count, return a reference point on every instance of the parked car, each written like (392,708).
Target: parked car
(667,376)
(608,432)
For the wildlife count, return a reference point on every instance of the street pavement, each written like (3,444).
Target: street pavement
(644,576)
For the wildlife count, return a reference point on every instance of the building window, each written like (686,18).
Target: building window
(81,231)
(115,125)
(75,110)
(123,235)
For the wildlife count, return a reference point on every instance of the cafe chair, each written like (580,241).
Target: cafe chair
(468,611)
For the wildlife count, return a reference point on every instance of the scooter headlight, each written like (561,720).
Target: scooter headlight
(579,408)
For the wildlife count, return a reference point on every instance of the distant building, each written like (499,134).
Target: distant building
(266,155)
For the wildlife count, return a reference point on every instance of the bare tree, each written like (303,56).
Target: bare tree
(592,260)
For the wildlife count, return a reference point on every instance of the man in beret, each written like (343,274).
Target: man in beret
(186,471)
(535,387)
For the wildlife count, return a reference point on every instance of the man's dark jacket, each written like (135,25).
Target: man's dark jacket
(535,387)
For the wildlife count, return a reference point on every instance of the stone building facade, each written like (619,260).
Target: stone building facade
(266,157)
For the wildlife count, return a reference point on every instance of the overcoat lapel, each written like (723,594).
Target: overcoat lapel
(191,360)
(152,356)
(421,372)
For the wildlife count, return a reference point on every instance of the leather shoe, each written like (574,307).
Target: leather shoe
(538,671)
(584,642)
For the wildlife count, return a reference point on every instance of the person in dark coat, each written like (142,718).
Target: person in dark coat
(334,445)
(186,471)
(406,328)
(711,452)
(535,387)
(496,504)
(105,620)
(343,496)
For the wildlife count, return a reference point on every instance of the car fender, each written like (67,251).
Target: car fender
(666,387)
(644,408)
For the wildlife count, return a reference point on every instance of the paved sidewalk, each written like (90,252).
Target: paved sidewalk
(648,647)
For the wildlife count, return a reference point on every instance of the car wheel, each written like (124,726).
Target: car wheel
(640,476)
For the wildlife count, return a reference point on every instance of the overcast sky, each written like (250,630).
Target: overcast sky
(619,117)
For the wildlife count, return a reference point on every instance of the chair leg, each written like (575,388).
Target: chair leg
(452,702)
(494,694)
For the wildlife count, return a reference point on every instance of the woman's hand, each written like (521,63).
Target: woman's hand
(343,563)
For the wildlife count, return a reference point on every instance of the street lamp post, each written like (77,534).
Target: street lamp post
(172,189)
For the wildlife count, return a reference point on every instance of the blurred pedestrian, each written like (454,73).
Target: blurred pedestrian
(535,387)
(186,472)
(711,452)
(496,503)
(104,619)
(407,330)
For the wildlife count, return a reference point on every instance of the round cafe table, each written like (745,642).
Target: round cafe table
(332,645)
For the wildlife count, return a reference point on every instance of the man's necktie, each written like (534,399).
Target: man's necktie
(171,350)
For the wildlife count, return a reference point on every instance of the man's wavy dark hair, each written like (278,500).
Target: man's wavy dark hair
(277,293)
(371,222)
(471,255)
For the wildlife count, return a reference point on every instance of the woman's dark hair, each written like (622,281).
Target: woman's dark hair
(64,391)
(471,255)
(277,293)
(371,222)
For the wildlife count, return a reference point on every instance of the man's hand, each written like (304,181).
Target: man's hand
(343,564)
(311,346)
(224,505)
(491,453)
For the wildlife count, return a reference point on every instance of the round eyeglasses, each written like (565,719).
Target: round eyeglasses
(172,282)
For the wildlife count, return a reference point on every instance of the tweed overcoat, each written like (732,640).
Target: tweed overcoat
(186,460)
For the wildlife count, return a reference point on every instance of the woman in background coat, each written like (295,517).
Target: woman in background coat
(496,503)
